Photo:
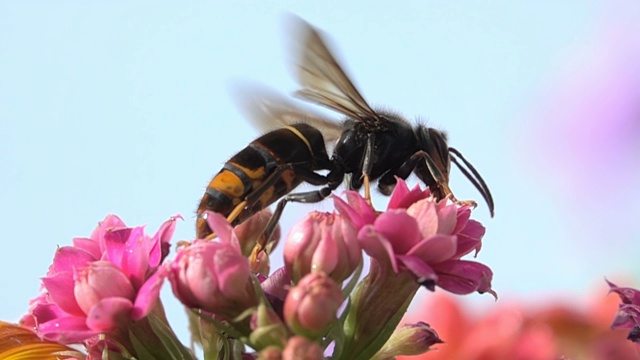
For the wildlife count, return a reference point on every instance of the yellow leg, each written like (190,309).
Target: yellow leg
(367,189)
(450,195)
(236,211)
(234,214)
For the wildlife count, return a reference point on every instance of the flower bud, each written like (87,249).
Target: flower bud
(101,280)
(409,339)
(312,305)
(300,348)
(251,232)
(213,276)
(322,242)
(267,328)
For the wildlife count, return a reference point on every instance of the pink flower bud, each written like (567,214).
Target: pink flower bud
(251,232)
(101,280)
(409,339)
(213,276)
(322,242)
(312,305)
(270,353)
(300,348)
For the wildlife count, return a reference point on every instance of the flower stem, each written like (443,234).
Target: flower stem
(377,305)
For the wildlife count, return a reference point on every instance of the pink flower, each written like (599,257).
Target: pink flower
(423,236)
(214,275)
(628,315)
(101,283)
(322,242)
(575,328)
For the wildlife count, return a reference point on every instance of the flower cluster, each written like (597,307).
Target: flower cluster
(103,291)
(100,286)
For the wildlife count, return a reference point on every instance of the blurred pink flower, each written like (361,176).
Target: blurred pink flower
(423,236)
(214,275)
(582,133)
(322,242)
(101,283)
(514,331)
(299,348)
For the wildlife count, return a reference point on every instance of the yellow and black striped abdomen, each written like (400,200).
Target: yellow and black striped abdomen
(246,171)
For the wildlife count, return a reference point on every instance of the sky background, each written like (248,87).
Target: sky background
(125,108)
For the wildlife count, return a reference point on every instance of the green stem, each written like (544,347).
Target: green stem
(377,305)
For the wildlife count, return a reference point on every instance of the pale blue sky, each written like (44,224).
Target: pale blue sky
(124,108)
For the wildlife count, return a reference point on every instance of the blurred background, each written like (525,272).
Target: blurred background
(125,108)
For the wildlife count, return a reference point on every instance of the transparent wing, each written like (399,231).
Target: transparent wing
(322,78)
(268,110)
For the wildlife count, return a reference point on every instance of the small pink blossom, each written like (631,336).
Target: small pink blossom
(214,275)
(322,242)
(312,305)
(409,339)
(101,283)
(423,236)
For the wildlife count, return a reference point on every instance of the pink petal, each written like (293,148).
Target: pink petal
(66,330)
(399,228)
(402,198)
(110,222)
(326,256)
(424,211)
(161,240)
(109,314)
(627,295)
(464,277)
(470,238)
(277,284)
(232,272)
(61,291)
(115,242)
(100,280)
(464,213)
(135,258)
(626,317)
(220,226)
(68,258)
(88,245)
(397,196)
(360,205)
(435,249)
(474,229)
(424,273)
(447,217)
(45,312)
(377,246)
(357,211)
(149,293)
